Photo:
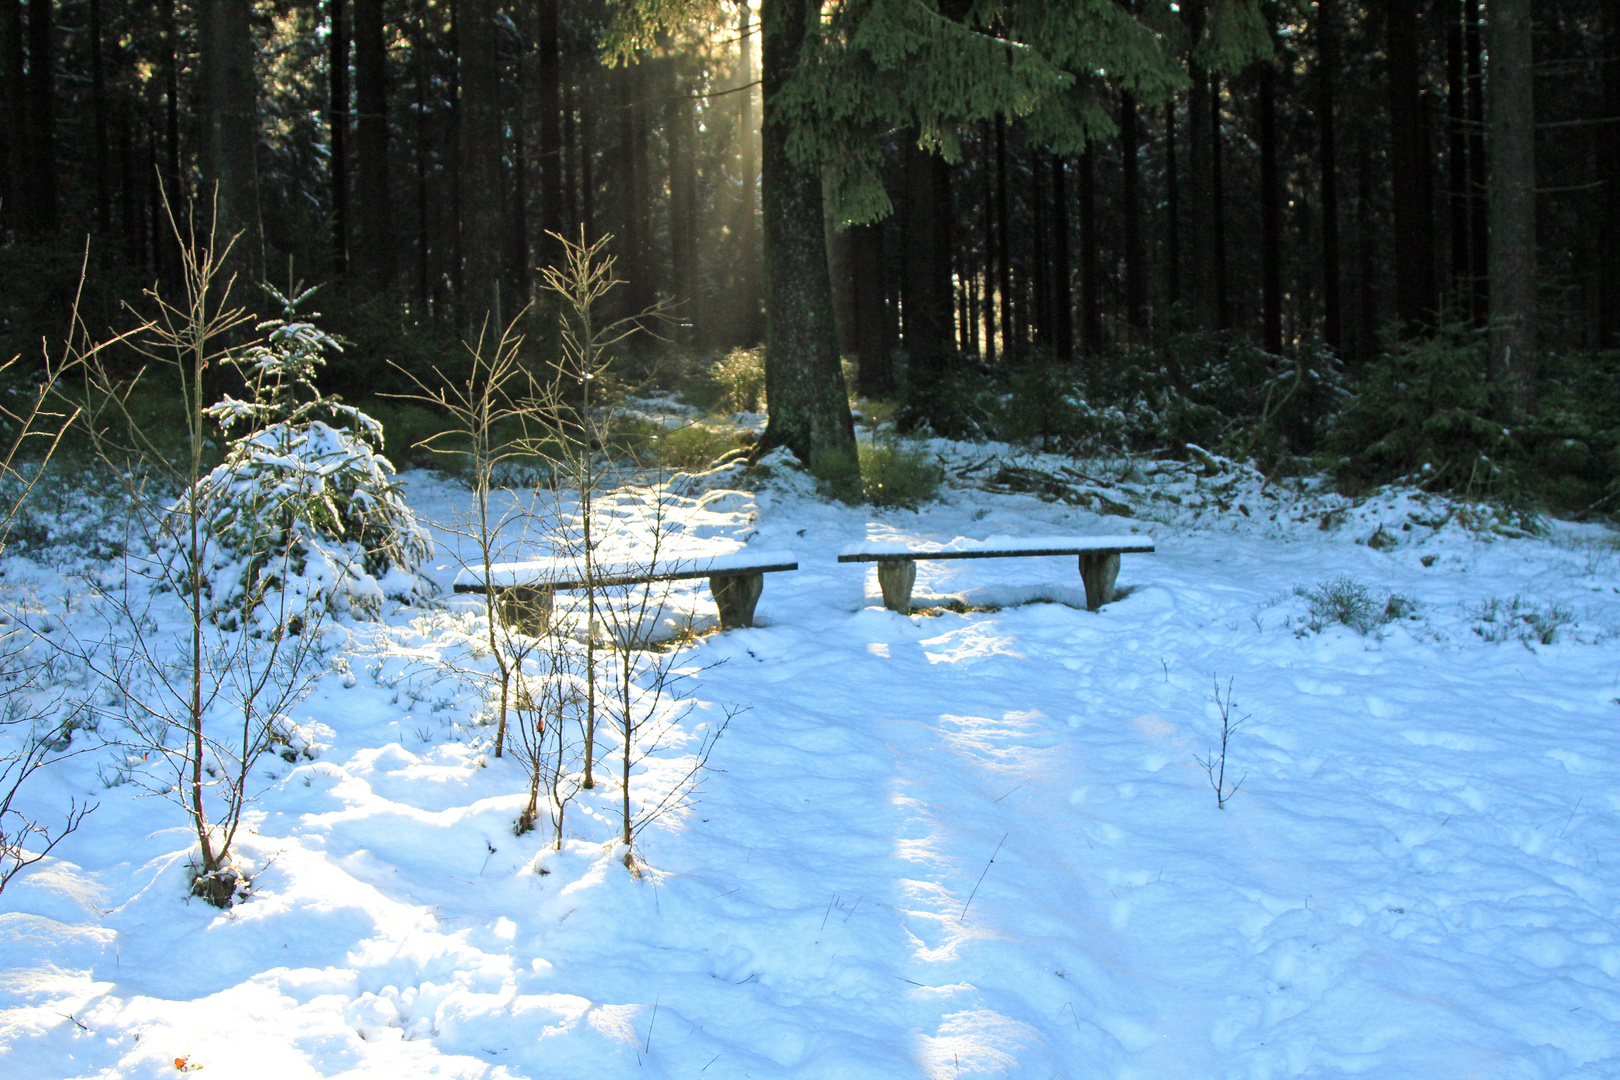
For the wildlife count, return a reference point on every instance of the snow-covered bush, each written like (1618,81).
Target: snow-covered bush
(1347,602)
(304,512)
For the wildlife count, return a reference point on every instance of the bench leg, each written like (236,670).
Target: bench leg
(735,595)
(527,610)
(895,578)
(1099,570)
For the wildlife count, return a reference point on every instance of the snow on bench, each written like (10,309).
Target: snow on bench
(526,588)
(897,560)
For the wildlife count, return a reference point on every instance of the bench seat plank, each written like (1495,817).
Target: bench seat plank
(1098,557)
(736,579)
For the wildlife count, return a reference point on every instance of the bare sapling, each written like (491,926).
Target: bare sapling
(549,706)
(1213,764)
(585,420)
(499,414)
(205,660)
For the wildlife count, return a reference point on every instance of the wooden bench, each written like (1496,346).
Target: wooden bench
(526,589)
(1099,560)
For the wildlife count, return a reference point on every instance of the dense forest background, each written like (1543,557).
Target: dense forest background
(1388,233)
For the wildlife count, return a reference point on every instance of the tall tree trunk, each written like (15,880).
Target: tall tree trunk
(42,200)
(480,165)
(1090,264)
(548,103)
(337,119)
(1062,289)
(988,299)
(424,277)
(927,308)
(748,237)
(1172,206)
(13,84)
(1217,184)
(1478,196)
(1131,196)
(587,169)
(166,252)
(1327,74)
(1456,155)
(681,129)
(1513,209)
(1609,295)
(869,288)
(129,216)
(1205,305)
(1040,304)
(1415,298)
(98,107)
(1367,304)
(1011,347)
(373,192)
(809,406)
(1270,213)
(230,126)
(519,248)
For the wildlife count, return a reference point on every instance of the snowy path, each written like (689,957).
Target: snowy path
(1418,877)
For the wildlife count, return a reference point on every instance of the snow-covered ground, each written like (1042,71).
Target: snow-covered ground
(970,842)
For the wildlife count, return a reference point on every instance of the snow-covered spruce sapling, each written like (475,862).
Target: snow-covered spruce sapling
(206,644)
(304,503)
(1213,764)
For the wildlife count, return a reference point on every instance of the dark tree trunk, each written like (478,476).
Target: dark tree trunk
(1131,196)
(1478,197)
(587,170)
(130,220)
(1205,306)
(570,163)
(681,133)
(1090,301)
(1040,304)
(1367,304)
(809,407)
(987,299)
(424,275)
(480,165)
(1270,213)
(230,127)
(1327,73)
(98,106)
(548,103)
(1011,347)
(337,119)
(927,326)
(869,289)
(13,84)
(1609,297)
(1172,208)
(1062,289)
(373,192)
(42,201)
(1456,155)
(517,221)
(748,235)
(1415,297)
(1217,184)
(1513,209)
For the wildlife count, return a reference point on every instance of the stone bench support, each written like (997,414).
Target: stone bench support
(1099,565)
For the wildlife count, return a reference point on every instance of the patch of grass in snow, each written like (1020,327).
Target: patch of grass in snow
(1345,601)
(885,474)
(1517,619)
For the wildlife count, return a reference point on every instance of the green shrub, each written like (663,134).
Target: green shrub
(694,446)
(741,377)
(885,474)
(1344,601)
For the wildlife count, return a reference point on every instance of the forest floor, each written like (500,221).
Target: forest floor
(959,843)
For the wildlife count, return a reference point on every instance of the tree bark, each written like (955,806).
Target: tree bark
(1327,73)
(1270,213)
(1513,209)
(98,107)
(1090,298)
(1131,196)
(1011,347)
(1415,298)
(480,165)
(1367,304)
(42,197)
(681,132)
(1062,289)
(1040,270)
(809,406)
(1217,183)
(548,103)
(337,119)
(230,127)
(1478,197)
(373,192)
(748,233)
(988,299)
(1205,301)
(927,307)
(1460,289)
(1172,206)
(13,84)
(1609,294)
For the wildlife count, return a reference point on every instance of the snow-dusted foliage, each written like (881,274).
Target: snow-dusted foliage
(304,513)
